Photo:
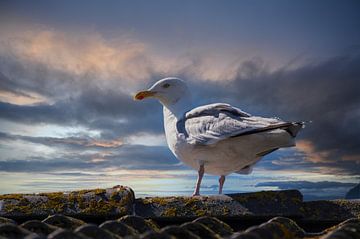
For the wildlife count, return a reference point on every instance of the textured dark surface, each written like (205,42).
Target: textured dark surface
(138,227)
(115,213)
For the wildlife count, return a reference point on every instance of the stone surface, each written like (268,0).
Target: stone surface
(331,209)
(202,227)
(139,224)
(200,230)
(112,201)
(62,221)
(189,206)
(349,229)
(215,225)
(93,231)
(179,232)
(178,217)
(271,203)
(118,228)
(39,227)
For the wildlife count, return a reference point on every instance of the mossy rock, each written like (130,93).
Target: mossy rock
(188,206)
(116,201)
(272,203)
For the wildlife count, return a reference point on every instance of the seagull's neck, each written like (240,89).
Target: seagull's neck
(179,108)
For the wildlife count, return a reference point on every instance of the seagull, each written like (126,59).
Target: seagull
(216,139)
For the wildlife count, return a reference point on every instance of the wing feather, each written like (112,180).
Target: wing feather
(210,124)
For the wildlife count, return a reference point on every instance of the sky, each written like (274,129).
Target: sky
(69,69)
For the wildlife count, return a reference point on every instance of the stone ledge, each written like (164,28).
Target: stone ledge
(112,201)
(120,200)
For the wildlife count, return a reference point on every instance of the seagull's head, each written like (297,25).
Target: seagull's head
(168,91)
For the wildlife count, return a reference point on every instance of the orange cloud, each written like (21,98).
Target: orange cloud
(312,154)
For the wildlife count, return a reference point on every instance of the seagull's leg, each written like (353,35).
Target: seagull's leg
(221,183)
(200,176)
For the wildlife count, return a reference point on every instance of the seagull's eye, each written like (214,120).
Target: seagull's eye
(166,85)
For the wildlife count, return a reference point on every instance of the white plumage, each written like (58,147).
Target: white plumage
(218,138)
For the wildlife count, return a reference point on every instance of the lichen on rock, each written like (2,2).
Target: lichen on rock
(113,201)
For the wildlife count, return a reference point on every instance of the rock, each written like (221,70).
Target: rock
(115,201)
(92,231)
(139,224)
(216,225)
(118,228)
(200,230)
(34,236)
(276,228)
(245,235)
(289,227)
(353,193)
(156,235)
(63,221)
(189,206)
(337,210)
(11,231)
(6,220)
(348,230)
(271,203)
(39,227)
(179,232)
(65,234)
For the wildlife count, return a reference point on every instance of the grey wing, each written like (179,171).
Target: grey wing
(210,124)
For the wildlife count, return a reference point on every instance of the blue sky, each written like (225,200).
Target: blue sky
(68,71)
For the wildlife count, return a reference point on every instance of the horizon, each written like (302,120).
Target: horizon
(68,72)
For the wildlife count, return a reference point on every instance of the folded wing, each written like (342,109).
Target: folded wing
(212,123)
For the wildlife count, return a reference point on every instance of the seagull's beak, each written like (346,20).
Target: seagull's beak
(144,94)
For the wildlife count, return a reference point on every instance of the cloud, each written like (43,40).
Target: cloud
(52,77)
(324,92)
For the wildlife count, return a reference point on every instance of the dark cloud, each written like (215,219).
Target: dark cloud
(130,157)
(326,93)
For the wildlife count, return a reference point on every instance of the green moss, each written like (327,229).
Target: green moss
(160,201)
(191,200)
(99,191)
(12,196)
(170,212)
(200,212)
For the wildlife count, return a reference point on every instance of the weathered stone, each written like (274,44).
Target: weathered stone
(179,232)
(115,201)
(156,235)
(139,224)
(10,230)
(200,230)
(337,210)
(271,203)
(95,232)
(346,231)
(245,235)
(34,236)
(66,234)
(6,220)
(63,221)
(118,228)
(189,206)
(290,228)
(215,225)
(39,227)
